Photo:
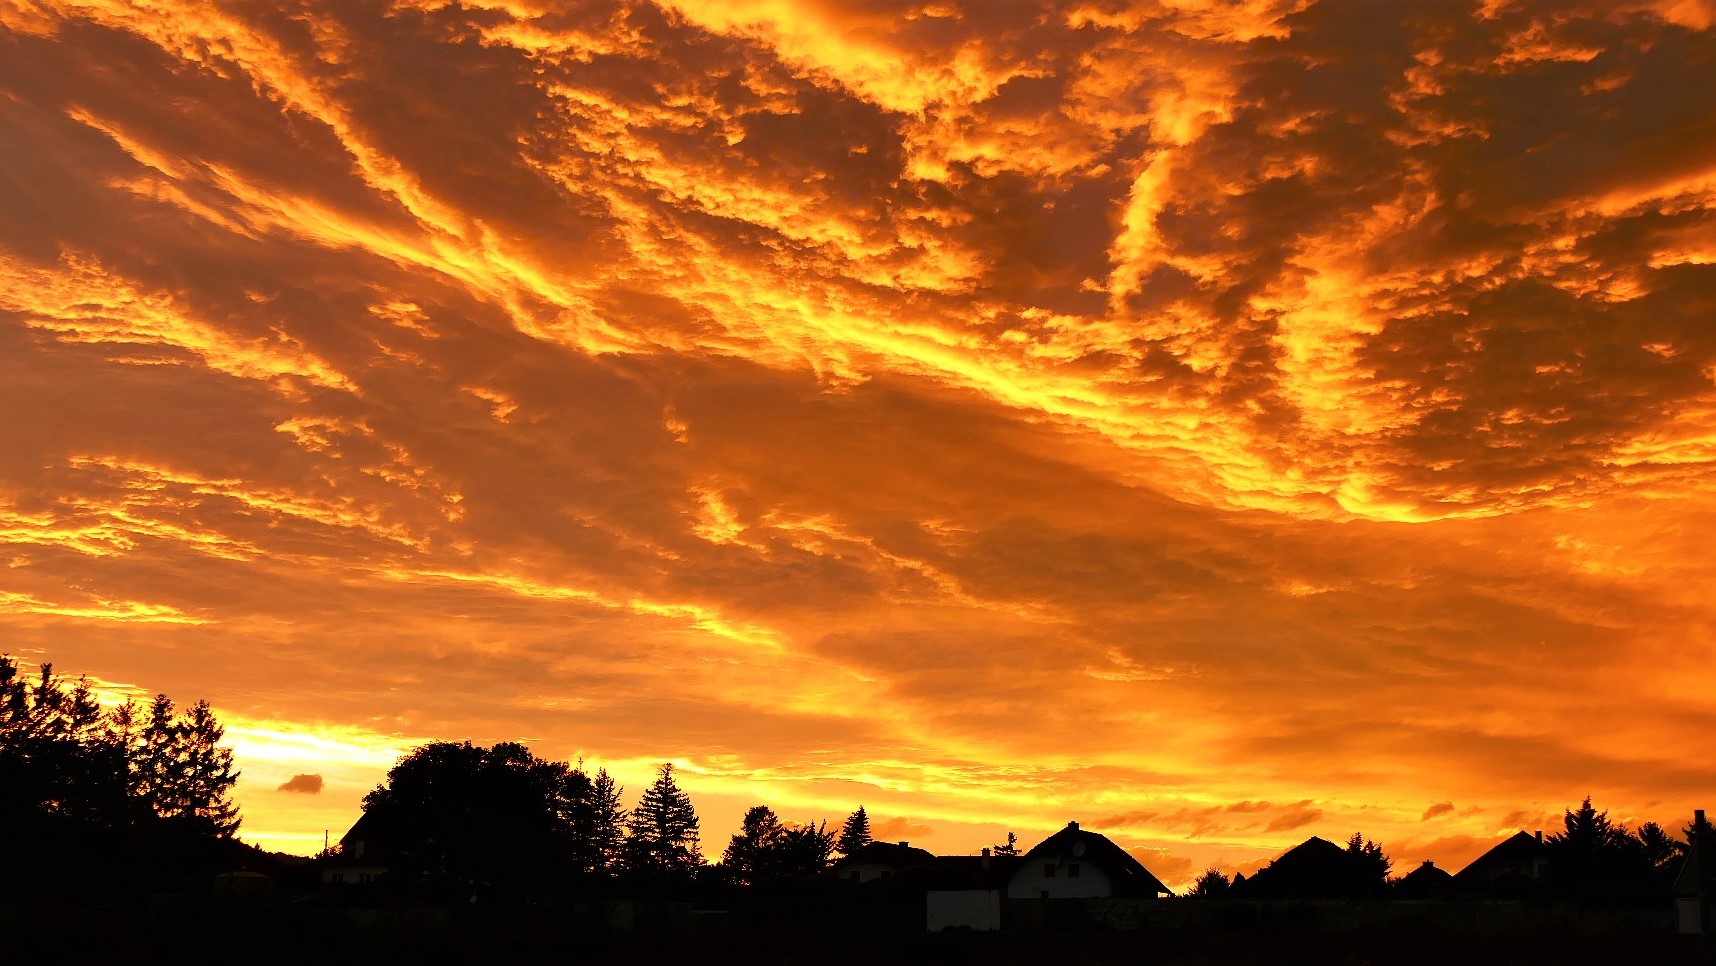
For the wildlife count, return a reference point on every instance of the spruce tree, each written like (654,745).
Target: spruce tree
(590,815)
(607,836)
(159,764)
(661,837)
(207,772)
(855,834)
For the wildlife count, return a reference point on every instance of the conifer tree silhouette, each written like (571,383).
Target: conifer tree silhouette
(855,834)
(661,839)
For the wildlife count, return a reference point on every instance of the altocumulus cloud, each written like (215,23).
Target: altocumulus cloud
(1243,391)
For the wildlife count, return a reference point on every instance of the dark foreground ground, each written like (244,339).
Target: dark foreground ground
(73,934)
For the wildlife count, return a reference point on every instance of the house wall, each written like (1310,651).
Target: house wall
(867,871)
(1032,880)
(975,909)
(352,874)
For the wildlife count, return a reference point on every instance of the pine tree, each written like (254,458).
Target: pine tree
(662,831)
(1010,848)
(855,834)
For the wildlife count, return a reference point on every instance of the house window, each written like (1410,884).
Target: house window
(339,877)
(887,873)
(856,876)
(1049,871)
(364,876)
(1072,870)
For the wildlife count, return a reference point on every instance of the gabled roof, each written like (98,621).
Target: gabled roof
(1314,869)
(1128,875)
(363,830)
(898,855)
(1425,882)
(1515,854)
(1699,862)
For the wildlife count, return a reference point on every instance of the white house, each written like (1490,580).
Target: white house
(882,860)
(1076,864)
(356,863)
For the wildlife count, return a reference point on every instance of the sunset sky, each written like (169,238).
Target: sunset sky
(1217,422)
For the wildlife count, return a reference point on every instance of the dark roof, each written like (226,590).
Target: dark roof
(363,830)
(1686,881)
(1515,854)
(899,855)
(1314,869)
(1425,882)
(1126,873)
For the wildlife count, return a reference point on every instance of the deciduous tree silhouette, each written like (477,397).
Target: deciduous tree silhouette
(854,834)
(1211,885)
(462,817)
(750,856)
(805,849)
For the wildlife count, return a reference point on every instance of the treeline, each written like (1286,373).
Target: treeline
(92,793)
(458,816)
(93,797)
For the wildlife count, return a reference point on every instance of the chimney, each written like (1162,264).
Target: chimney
(1428,864)
(1539,836)
(1698,818)
(986,856)
(1073,826)
(904,844)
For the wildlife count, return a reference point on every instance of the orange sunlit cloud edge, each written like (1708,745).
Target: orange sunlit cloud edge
(1216,422)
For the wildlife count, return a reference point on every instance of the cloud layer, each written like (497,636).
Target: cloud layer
(993,417)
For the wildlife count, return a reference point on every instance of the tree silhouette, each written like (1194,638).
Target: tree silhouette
(1371,863)
(461,817)
(205,772)
(661,832)
(607,821)
(1010,847)
(1595,857)
(85,789)
(1659,848)
(767,849)
(855,834)
(805,849)
(1211,885)
(591,813)
(751,855)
